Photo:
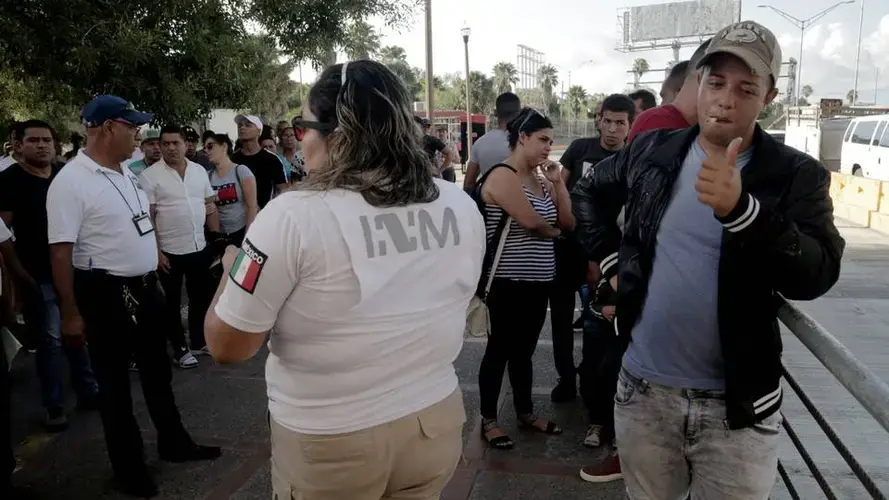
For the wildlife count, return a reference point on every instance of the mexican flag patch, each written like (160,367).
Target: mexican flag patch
(247,267)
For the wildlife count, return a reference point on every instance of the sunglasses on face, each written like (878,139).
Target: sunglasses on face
(300,127)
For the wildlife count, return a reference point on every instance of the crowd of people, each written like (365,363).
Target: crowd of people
(341,241)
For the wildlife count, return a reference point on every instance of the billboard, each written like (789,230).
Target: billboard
(678,19)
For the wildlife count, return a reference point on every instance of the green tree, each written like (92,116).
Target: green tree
(640,67)
(481,89)
(505,76)
(176,58)
(593,103)
(548,79)
(362,41)
(395,58)
(577,100)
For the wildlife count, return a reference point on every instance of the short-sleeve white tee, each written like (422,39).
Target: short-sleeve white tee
(368,304)
(4,232)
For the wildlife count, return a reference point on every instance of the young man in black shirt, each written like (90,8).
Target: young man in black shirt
(266,166)
(583,154)
(432,145)
(23,189)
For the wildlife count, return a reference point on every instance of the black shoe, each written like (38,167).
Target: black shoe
(578,324)
(564,392)
(191,453)
(137,485)
(56,421)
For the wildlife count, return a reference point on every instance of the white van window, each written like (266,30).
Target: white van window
(849,131)
(864,132)
(879,133)
(884,142)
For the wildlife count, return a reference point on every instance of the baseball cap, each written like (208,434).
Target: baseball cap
(111,107)
(250,118)
(151,134)
(190,133)
(751,42)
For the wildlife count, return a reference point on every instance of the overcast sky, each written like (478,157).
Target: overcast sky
(570,32)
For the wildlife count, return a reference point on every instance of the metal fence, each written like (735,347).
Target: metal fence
(864,385)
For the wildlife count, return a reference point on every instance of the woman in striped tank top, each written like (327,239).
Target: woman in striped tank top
(529,188)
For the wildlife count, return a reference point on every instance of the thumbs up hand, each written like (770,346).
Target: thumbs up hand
(719,180)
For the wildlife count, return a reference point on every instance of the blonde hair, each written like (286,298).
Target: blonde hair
(374,148)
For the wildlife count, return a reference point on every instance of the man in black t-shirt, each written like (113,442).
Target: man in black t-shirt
(433,145)
(23,190)
(583,154)
(266,166)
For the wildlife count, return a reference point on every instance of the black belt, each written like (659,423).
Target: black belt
(149,278)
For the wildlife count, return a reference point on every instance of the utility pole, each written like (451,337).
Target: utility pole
(430,78)
(858,55)
(465,33)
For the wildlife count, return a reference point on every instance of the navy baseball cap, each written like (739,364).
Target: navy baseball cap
(111,107)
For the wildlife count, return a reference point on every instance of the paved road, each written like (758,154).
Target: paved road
(226,406)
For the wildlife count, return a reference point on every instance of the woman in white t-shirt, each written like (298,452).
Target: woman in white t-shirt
(363,272)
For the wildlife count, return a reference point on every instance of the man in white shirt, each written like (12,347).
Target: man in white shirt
(181,202)
(493,147)
(104,260)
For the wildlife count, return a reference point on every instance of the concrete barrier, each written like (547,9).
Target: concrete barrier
(862,201)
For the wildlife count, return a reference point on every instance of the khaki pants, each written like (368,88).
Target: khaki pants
(411,458)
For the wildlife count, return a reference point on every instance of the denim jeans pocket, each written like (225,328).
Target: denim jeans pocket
(627,387)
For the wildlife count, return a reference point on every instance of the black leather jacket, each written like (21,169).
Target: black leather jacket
(780,239)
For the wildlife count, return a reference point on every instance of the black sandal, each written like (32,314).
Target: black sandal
(528,421)
(500,442)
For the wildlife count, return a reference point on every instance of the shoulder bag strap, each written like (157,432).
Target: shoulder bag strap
(500,245)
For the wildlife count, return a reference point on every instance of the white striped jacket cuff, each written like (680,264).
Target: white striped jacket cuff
(747,217)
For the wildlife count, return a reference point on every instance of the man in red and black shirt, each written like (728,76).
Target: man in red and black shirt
(683,112)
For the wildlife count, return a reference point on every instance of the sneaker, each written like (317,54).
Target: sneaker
(607,470)
(56,421)
(203,351)
(134,367)
(593,436)
(564,391)
(186,361)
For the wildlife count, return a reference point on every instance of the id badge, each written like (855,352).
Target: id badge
(143,224)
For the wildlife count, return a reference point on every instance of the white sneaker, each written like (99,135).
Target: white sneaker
(203,351)
(187,361)
(593,436)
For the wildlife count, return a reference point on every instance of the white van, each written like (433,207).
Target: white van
(866,148)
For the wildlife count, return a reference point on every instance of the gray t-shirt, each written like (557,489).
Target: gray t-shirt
(676,341)
(230,198)
(490,149)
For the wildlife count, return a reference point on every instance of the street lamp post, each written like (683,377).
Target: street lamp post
(802,24)
(465,33)
(430,79)
(858,55)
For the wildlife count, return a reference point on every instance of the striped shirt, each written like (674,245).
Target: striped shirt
(525,257)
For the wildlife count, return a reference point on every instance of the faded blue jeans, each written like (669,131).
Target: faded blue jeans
(674,444)
(44,321)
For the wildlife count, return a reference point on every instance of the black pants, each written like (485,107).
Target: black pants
(7,458)
(561,312)
(195,268)
(117,330)
(603,353)
(518,310)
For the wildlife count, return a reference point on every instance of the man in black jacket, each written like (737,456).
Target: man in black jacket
(720,220)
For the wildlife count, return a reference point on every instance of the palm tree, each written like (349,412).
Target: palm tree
(577,100)
(807,91)
(391,54)
(852,97)
(362,41)
(505,76)
(640,67)
(547,79)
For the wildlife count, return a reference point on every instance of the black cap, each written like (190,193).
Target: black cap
(190,134)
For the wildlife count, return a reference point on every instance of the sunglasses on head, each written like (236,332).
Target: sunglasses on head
(532,112)
(300,127)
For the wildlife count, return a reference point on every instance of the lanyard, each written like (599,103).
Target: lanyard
(124,198)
